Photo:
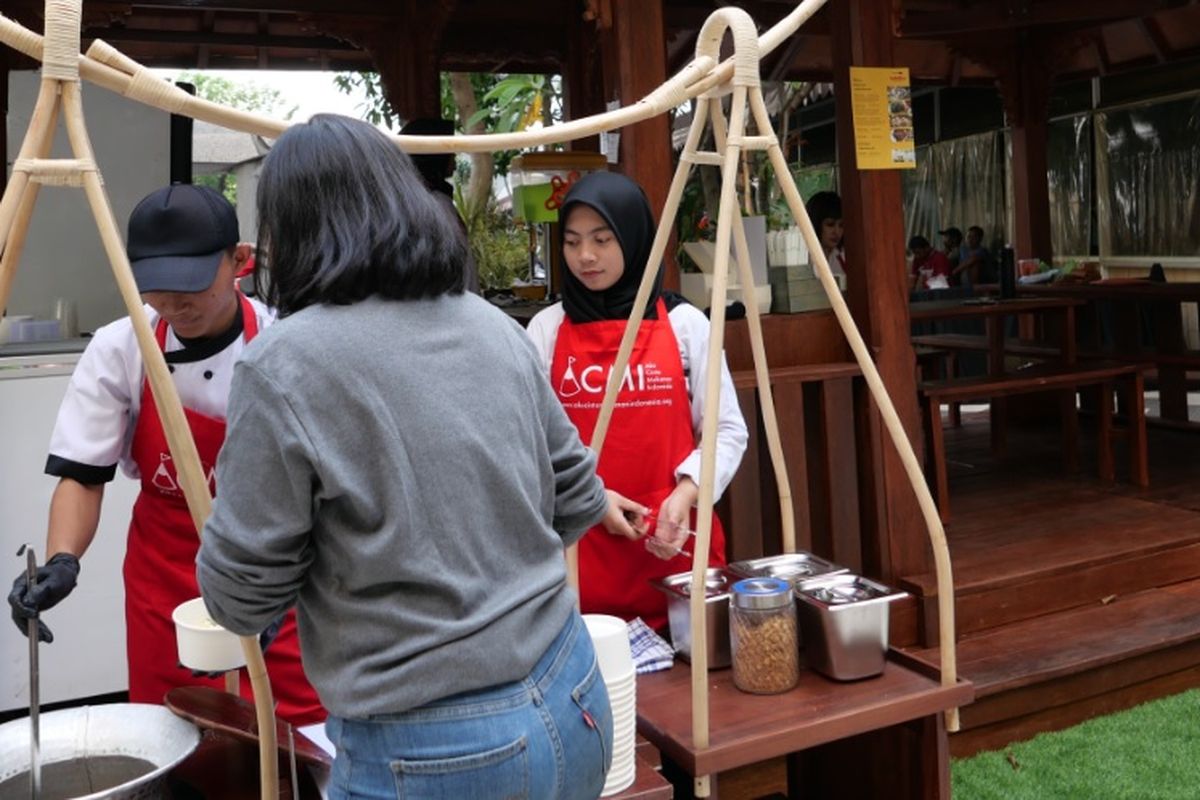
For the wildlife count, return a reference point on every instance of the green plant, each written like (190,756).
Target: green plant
(224,182)
(500,248)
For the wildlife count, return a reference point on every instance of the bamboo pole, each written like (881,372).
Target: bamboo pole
(102,67)
(110,69)
(891,420)
(166,399)
(60,87)
(762,378)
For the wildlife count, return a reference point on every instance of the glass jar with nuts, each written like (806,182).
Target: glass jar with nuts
(763,638)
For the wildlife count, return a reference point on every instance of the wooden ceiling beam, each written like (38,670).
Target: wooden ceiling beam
(782,61)
(214,39)
(358,8)
(1154,35)
(997,16)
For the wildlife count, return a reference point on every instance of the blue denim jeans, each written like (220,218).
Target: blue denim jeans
(547,736)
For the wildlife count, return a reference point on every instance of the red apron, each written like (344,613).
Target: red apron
(160,566)
(650,435)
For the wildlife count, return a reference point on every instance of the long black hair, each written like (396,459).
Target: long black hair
(343,215)
(623,205)
(822,206)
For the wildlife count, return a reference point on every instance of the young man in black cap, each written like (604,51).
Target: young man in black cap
(184,249)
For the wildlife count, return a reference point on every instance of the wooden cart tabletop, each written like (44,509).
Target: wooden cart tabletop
(746,728)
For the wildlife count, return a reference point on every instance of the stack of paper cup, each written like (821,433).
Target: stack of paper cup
(611,640)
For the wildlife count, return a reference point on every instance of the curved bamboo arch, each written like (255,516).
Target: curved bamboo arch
(704,79)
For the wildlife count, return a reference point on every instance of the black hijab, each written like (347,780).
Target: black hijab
(623,205)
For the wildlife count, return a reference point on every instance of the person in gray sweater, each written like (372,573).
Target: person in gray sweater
(399,469)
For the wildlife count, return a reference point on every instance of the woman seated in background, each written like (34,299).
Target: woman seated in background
(652,451)
(825,211)
(400,470)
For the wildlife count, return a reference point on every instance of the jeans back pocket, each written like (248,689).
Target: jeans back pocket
(501,773)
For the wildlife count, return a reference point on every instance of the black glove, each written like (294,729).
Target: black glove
(55,580)
(264,641)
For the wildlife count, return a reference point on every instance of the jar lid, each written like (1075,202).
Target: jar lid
(762,593)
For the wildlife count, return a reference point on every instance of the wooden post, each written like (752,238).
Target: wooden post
(637,44)
(1025,86)
(583,78)
(1025,64)
(404,54)
(407,59)
(877,292)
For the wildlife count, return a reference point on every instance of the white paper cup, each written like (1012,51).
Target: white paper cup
(610,638)
(620,775)
(203,644)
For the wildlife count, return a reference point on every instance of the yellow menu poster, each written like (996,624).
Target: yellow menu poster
(881,102)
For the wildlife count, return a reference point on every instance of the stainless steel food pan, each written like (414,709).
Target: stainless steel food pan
(795,567)
(678,589)
(844,623)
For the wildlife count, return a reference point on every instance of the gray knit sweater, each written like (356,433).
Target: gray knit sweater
(403,473)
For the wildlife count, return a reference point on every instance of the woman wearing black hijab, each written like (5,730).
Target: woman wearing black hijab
(651,453)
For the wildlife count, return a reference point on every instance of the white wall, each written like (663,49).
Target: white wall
(63,256)
(247,188)
(87,656)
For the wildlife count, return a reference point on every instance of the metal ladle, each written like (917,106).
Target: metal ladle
(35,754)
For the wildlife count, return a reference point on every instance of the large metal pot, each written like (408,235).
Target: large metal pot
(148,733)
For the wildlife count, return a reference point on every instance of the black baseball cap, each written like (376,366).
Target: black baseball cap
(951,232)
(177,237)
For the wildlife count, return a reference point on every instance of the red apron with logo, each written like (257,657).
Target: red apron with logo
(650,435)
(160,566)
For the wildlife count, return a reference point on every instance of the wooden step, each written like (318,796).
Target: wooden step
(1055,670)
(1019,561)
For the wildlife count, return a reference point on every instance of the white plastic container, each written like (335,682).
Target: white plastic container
(35,330)
(203,644)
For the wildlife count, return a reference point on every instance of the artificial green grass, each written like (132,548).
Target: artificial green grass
(1149,752)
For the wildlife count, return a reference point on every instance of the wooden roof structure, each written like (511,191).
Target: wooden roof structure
(939,40)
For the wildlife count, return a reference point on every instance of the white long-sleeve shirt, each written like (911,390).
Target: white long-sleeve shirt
(691,330)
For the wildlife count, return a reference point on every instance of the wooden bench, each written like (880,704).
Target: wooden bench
(1066,379)
(979,343)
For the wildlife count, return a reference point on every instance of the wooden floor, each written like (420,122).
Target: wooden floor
(1074,598)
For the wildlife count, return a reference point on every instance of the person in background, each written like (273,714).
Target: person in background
(952,240)
(436,170)
(651,453)
(184,250)
(400,470)
(825,211)
(926,263)
(972,258)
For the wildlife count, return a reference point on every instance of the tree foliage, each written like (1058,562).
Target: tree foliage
(243,95)
(479,103)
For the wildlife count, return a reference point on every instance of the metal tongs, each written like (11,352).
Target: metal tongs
(35,754)
(679,551)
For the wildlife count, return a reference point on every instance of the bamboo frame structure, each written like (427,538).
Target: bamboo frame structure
(705,79)
(60,92)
